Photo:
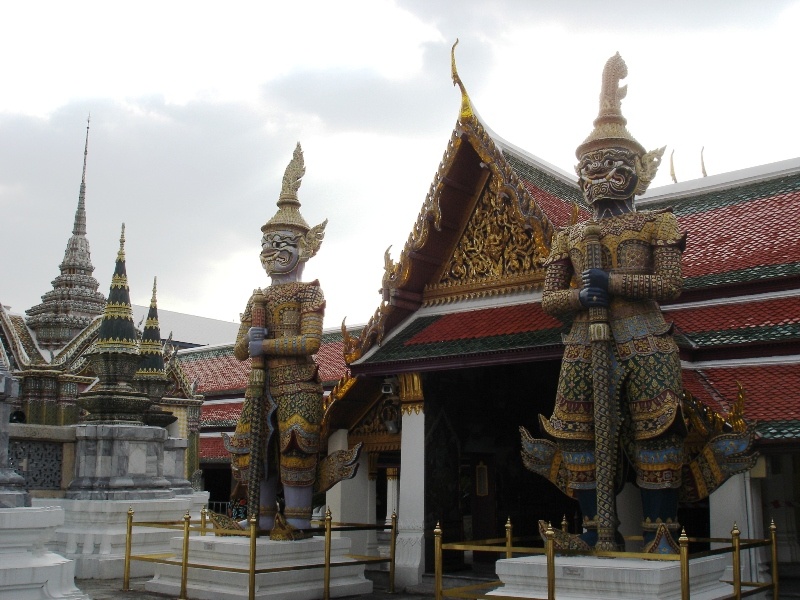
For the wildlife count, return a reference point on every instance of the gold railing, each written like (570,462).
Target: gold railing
(734,546)
(253,533)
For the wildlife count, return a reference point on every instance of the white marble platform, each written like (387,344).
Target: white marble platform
(93,533)
(581,577)
(28,571)
(306,584)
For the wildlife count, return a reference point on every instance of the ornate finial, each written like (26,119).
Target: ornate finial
(466,104)
(121,252)
(672,167)
(86,149)
(293,176)
(609,126)
(703,162)
(288,216)
(153,299)
(611,93)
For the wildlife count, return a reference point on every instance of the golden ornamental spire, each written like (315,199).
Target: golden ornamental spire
(121,251)
(609,126)
(466,103)
(288,215)
(293,176)
(611,93)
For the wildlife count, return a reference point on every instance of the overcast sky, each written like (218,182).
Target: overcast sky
(196,108)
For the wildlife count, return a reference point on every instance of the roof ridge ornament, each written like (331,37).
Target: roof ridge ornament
(466,104)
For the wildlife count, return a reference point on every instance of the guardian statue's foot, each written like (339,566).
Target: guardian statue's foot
(223,523)
(286,532)
(563,540)
(662,543)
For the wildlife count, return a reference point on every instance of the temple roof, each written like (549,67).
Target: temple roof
(771,392)
(219,373)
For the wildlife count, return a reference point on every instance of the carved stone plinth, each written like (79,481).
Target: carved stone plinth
(13,492)
(580,577)
(119,462)
(93,533)
(27,569)
(303,584)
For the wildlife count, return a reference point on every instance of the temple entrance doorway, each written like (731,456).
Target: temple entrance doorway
(474,476)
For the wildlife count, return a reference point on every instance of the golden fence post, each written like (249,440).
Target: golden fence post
(564,524)
(185,562)
(126,574)
(392,550)
(437,553)
(773,536)
(252,521)
(203,520)
(550,553)
(509,536)
(326,591)
(684,551)
(737,574)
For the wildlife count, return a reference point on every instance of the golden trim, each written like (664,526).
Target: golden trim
(408,408)
(410,388)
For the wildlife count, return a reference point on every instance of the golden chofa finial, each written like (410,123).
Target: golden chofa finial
(703,162)
(466,104)
(672,167)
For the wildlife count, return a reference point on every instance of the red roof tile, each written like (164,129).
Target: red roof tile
(762,313)
(740,236)
(220,372)
(488,322)
(330,360)
(557,209)
(772,391)
(212,449)
(220,414)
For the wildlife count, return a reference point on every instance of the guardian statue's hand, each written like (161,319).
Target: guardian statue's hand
(593,297)
(256,335)
(595,278)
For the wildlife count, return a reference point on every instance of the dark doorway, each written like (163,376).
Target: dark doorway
(475,479)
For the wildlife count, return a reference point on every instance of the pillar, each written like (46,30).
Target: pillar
(349,500)
(410,553)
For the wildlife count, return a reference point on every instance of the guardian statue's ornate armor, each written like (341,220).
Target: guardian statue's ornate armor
(619,394)
(277,440)
(294,314)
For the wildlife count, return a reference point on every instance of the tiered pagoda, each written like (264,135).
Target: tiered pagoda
(74,301)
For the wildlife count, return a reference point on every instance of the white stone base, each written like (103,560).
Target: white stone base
(93,533)
(27,570)
(581,577)
(306,584)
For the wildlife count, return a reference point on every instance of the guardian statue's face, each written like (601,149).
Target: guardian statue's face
(607,174)
(280,251)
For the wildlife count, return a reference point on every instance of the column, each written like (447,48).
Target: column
(349,500)
(392,492)
(410,553)
(738,500)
